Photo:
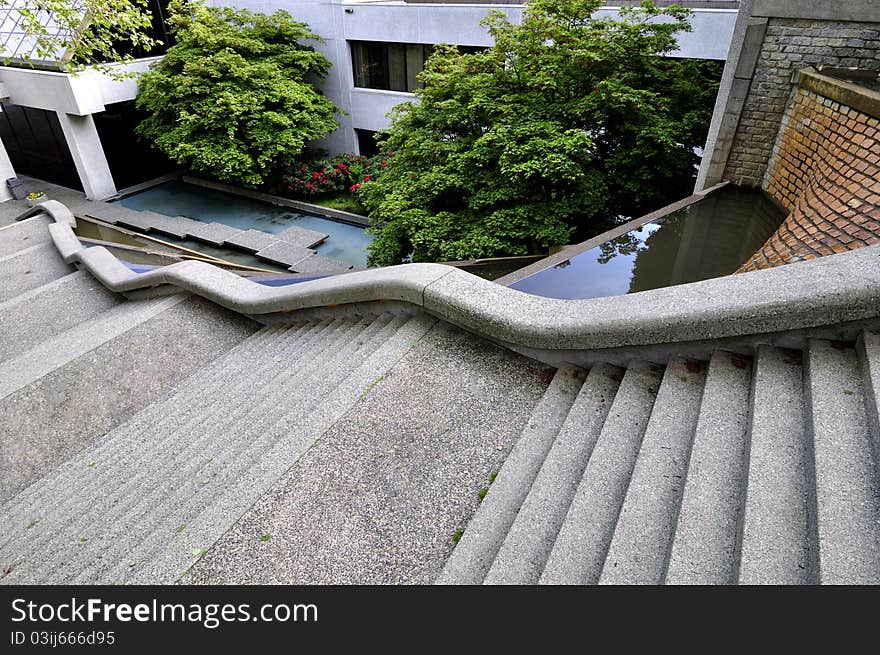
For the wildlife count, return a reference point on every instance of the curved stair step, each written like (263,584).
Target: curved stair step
(128,462)
(525,550)
(778,533)
(49,310)
(484,534)
(847,485)
(25,234)
(642,539)
(30,268)
(580,547)
(704,547)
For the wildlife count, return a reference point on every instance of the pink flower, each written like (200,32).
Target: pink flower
(367,178)
(354,187)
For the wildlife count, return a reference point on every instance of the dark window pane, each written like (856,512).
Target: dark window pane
(367,142)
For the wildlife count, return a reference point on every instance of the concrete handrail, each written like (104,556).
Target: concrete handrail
(822,292)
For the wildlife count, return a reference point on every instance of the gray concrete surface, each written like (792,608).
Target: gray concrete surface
(30,268)
(67,409)
(847,477)
(642,539)
(582,542)
(380,496)
(300,236)
(523,554)
(704,549)
(48,310)
(778,534)
(480,542)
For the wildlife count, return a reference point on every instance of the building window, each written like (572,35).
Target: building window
(392,66)
(388,66)
(367,142)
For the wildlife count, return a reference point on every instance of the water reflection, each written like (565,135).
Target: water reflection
(708,239)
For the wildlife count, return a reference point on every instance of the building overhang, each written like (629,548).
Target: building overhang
(86,92)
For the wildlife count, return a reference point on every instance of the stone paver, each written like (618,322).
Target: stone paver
(215,234)
(252,240)
(319,264)
(286,254)
(301,236)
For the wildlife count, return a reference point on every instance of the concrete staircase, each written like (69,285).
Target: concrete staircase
(138,435)
(749,470)
(146,500)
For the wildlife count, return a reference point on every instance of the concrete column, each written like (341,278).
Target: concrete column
(88,155)
(6,171)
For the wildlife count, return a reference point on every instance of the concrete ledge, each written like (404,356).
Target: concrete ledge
(828,83)
(827,291)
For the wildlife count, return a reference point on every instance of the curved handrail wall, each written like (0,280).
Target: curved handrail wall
(835,289)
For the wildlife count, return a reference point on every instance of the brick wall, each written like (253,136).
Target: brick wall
(826,172)
(791,44)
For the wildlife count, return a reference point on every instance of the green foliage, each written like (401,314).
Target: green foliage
(566,124)
(234,97)
(85,32)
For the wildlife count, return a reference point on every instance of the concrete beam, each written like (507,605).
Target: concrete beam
(87,92)
(88,155)
(745,47)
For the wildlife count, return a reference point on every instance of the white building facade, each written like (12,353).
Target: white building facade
(376,50)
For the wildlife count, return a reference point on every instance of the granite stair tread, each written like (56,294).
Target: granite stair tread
(846,474)
(704,547)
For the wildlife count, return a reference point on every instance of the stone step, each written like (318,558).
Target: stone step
(233,446)
(175,226)
(252,240)
(50,309)
(108,212)
(214,234)
(24,234)
(779,527)
(118,460)
(30,268)
(318,264)
(193,399)
(484,534)
(350,371)
(302,237)
(59,397)
(642,539)
(286,254)
(527,545)
(847,485)
(583,540)
(704,548)
(868,350)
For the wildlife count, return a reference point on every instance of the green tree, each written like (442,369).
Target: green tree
(235,97)
(77,33)
(566,124)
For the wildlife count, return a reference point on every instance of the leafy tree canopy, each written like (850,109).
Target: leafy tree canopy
(234,97)
(76,33)
(563,126)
